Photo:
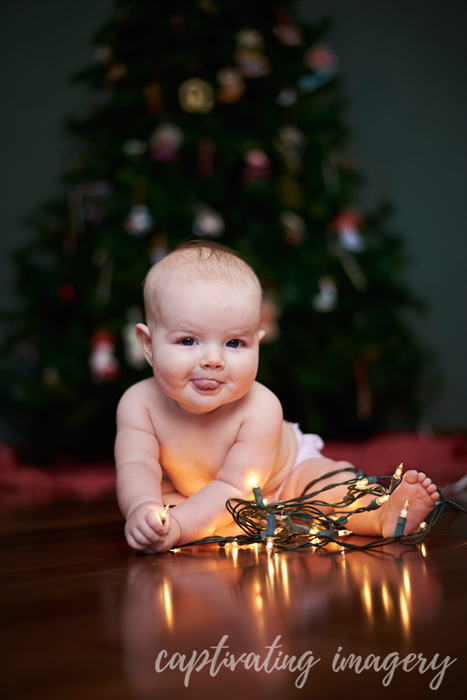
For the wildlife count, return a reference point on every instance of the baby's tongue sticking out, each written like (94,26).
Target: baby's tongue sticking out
(205,384)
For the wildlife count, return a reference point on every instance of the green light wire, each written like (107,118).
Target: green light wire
(306,510)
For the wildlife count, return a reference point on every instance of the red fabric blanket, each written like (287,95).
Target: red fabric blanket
(442,457)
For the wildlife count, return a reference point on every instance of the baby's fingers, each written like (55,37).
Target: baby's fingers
(137,540)
(154,521)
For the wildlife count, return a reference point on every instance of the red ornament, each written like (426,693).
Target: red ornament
(206,153)
(153,97)
(67,292)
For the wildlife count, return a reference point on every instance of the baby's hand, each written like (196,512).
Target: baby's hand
(145,531)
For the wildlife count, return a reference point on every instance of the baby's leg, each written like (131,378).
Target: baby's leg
(416,488)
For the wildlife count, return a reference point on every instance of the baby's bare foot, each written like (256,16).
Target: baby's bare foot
(421,494)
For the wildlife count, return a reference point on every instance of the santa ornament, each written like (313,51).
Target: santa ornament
(104,365)
(324,63)
(347,225)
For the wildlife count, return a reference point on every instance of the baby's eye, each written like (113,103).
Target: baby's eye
(187,341)
(234,343)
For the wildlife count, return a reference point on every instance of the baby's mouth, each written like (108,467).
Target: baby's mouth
(206,384)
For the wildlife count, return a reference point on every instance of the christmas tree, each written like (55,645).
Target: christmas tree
(219,119)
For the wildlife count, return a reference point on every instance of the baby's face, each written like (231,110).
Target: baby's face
(205,343)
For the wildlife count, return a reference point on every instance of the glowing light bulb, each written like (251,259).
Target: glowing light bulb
(404,510)
(344,533)
(396,478)
(361,483)
(163,514)
(314,530)
(382,499)
(252,480)
(401,521)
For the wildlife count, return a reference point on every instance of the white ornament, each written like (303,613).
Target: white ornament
(134,354)
(139,221)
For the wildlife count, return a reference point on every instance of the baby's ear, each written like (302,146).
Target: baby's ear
(261,335)
(143,334)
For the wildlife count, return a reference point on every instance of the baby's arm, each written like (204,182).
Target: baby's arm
(255,450)
(139,476)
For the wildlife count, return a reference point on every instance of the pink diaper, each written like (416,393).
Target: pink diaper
(308,445)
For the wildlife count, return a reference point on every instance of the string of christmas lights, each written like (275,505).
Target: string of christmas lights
(301,522)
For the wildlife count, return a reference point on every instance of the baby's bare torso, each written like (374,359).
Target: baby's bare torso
(193,447)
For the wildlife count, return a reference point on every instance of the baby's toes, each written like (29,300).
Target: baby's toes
(411,476)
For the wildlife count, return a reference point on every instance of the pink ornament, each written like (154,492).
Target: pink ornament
(287,33)
(165,143)
(258,166)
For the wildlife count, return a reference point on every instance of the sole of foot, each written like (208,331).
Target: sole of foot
(421,494)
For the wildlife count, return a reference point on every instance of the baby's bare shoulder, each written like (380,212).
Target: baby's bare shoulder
(134,406)
(262,396)
(264,408)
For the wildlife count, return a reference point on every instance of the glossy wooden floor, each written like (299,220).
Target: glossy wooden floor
(84,617)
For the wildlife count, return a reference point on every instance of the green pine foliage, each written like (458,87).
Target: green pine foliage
(341,365)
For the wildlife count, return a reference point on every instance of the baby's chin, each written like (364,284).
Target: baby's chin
(207,401)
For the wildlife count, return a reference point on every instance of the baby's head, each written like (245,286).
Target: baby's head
(206,262)
(203,312)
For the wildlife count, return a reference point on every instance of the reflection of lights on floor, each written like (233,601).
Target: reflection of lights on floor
(271,576)
(367,599)
(405,617)
(167,597)
(386,599)
(423,549)
(407,583)
(235,555)
(285,581)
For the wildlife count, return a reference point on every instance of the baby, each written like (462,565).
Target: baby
(193,434)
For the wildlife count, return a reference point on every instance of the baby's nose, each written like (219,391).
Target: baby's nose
(213,359)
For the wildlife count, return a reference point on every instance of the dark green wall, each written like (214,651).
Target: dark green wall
(404,73)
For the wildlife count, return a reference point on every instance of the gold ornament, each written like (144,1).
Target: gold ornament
(196,95)
(249,38)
